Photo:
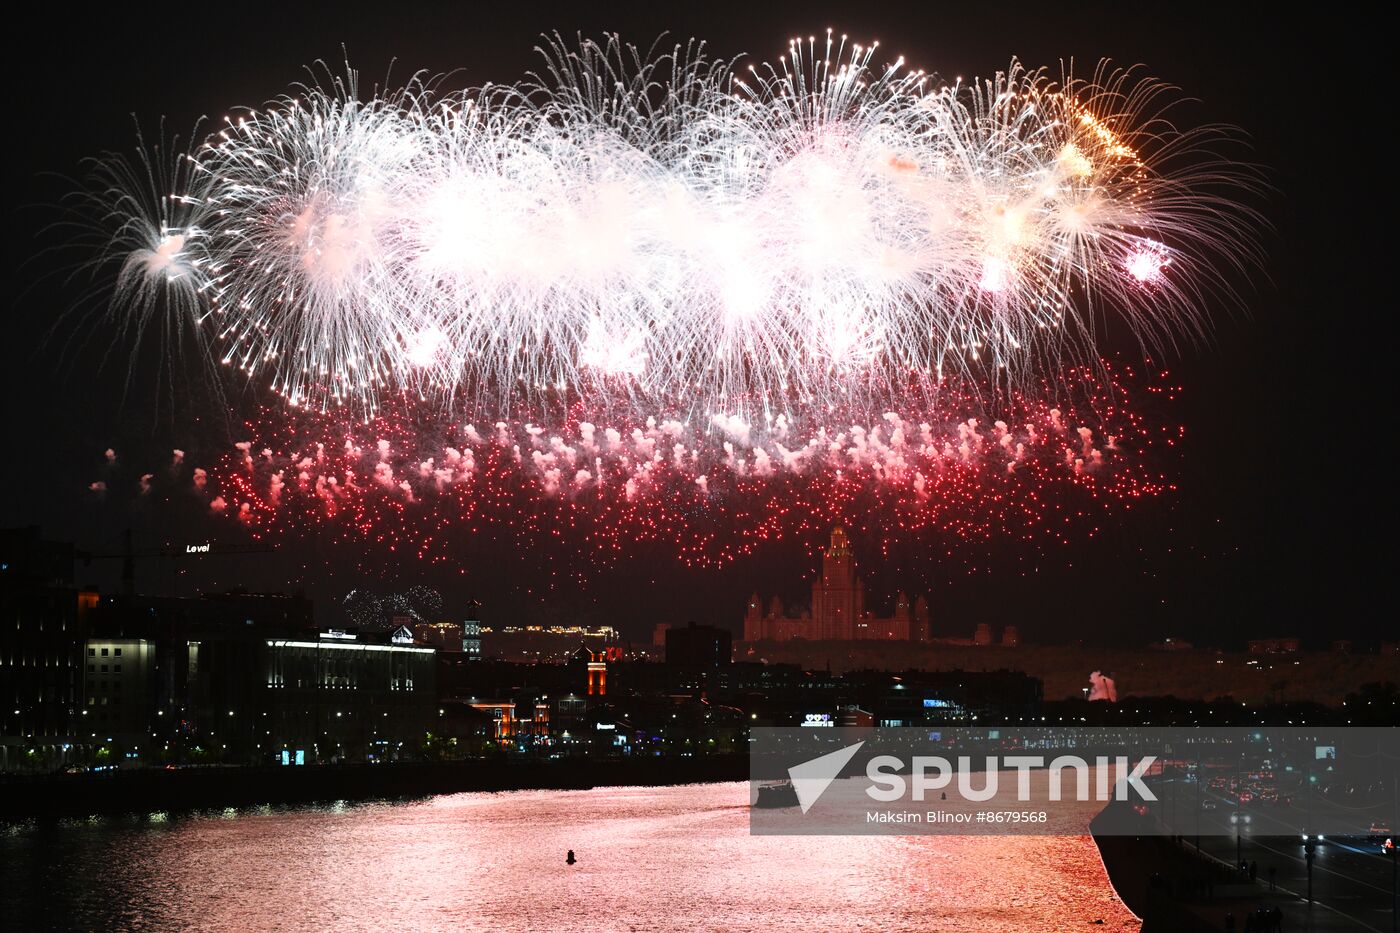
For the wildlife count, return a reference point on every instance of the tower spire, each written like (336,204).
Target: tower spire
(840,543)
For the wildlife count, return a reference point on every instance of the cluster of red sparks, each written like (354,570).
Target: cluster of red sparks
(1014,469)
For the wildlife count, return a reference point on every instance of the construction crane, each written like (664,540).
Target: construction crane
(129,554)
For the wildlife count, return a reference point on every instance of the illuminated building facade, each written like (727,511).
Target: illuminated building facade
(540,643)
(345,696)
(593,662)
(524,720)
(119,690)
(838,611)
(471,632)
(241,678)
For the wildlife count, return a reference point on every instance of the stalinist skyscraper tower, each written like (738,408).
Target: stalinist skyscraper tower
(838,610)
(838,595)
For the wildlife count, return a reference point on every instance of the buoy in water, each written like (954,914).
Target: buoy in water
(570,860)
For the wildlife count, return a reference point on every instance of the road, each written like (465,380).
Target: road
(1351,877)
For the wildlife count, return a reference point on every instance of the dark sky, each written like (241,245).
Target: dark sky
(1285,486)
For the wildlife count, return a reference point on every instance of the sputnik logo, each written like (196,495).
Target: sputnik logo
(811,778)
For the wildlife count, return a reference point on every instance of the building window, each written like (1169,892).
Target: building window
(104,652)
(92,652)
(117,652)
(116,668)
(104,668)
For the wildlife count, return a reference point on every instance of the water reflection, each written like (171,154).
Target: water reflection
(649,859)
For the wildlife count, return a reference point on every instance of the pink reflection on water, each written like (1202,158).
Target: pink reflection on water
(650,859)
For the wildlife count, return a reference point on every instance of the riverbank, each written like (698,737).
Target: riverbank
(150,790)
(1148,870)
(1175,888)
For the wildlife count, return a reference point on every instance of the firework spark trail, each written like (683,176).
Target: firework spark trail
(662,233)
(368,610)
(1025,470)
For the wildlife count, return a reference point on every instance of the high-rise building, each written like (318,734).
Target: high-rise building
(698,647)
(119,691)
(838,611)
(247,678)
(342,696)
(838,595)
(698,657)
(471,632)
(43,624)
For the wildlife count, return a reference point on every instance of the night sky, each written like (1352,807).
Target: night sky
(1284,485)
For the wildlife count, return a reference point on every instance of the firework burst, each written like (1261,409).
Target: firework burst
(1020,469)
(664,233)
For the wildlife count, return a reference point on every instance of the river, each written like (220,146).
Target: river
(649,859)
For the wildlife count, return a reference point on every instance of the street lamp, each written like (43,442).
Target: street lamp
(1239,829)
(1200,779)
(1309,853)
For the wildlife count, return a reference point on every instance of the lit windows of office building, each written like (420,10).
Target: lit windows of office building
(118,691)
(347,695)
(471,632)
(43,623)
